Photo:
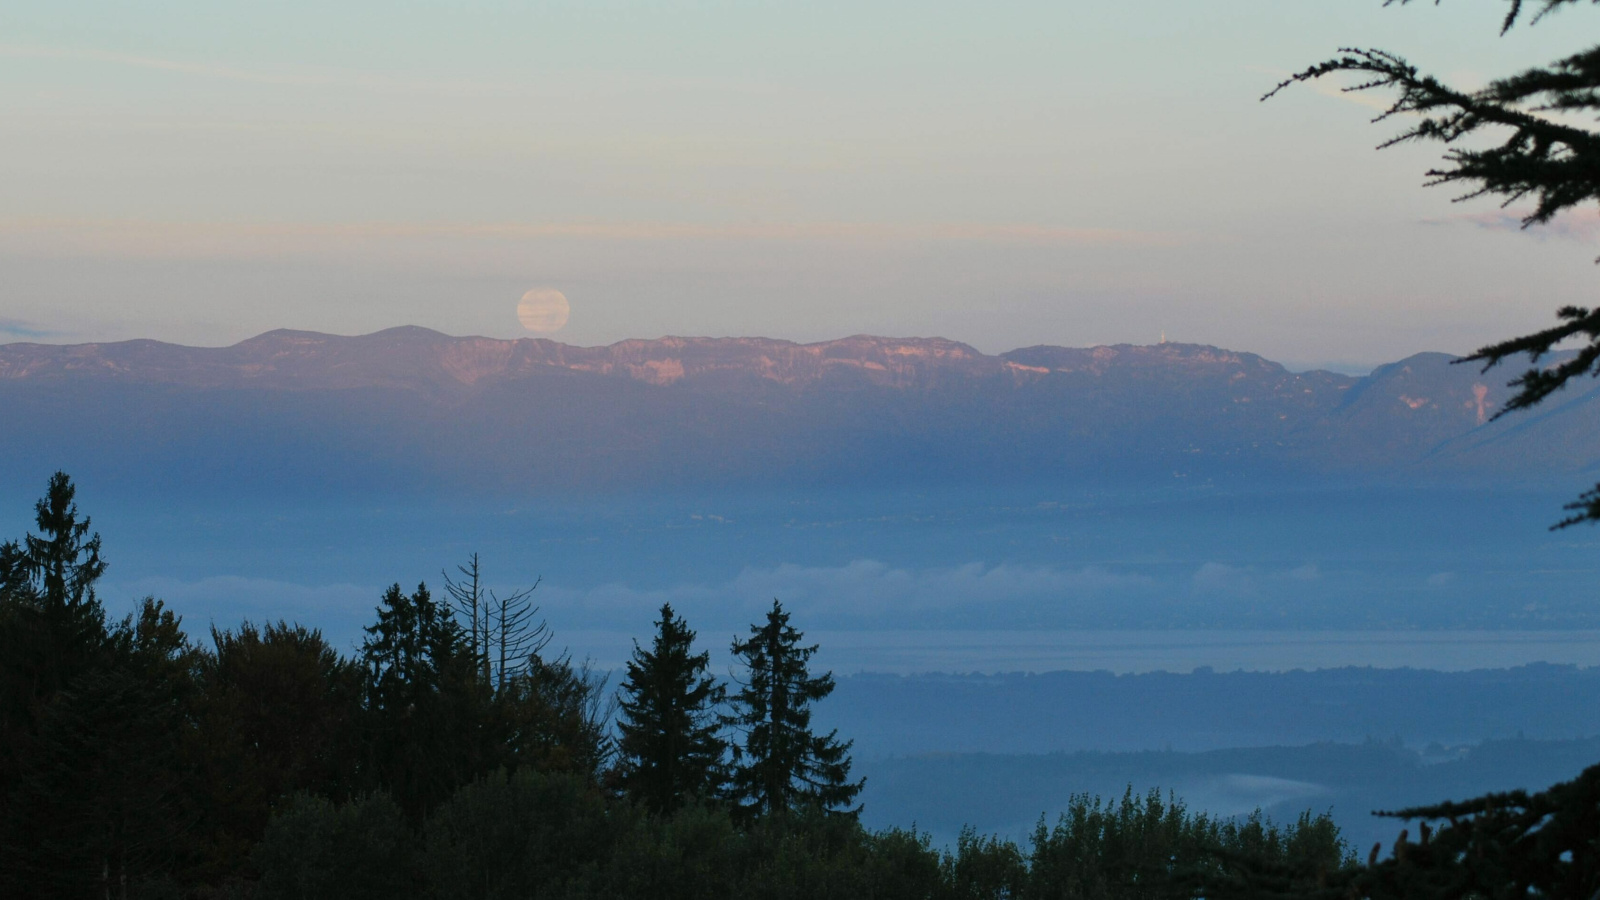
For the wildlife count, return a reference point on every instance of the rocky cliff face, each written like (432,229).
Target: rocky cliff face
(415,406)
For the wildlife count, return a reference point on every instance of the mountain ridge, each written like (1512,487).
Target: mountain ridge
(655,360)
(409,406)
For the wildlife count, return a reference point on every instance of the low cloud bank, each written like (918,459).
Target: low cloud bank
(872,595)
(868,594)
(223,601)
(861,594)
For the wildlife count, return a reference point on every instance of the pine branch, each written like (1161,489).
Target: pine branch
(1558,164)
(1537,384)
(1514,13)
(1537,157)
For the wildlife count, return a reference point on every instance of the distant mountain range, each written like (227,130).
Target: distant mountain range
(410,410)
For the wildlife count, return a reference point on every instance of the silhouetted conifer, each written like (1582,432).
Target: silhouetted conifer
(71,712)
(47,589)
(670,748)
(422,699)
(780,763)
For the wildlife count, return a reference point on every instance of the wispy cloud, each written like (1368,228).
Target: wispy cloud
(1577,224)
(22,329)
(299,76)
(328,77)
(158,64)
(226,600)
(865,593)
(147,239)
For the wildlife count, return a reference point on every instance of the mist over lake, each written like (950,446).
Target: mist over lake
(1021,561)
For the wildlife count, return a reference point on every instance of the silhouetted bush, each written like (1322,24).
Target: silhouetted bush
(527,834)
(314,849)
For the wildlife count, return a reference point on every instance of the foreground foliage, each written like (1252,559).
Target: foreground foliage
(1509,845)
(554,836)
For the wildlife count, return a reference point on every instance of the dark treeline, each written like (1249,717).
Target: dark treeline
(453,755)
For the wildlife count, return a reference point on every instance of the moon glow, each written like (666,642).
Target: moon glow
(543,310)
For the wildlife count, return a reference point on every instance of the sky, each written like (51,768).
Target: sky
(1002,173)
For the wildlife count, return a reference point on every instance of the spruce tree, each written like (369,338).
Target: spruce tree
(670,746)
(93,717)
(47,588)
(423,700)
(54,642)
(782,764)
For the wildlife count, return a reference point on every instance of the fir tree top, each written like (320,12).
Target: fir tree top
(782,762)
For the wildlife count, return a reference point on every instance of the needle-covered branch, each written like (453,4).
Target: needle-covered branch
(1518,7)
(1513,844)
(1554,163)
(1524,147)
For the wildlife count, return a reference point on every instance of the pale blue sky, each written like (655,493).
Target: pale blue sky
(1002,173)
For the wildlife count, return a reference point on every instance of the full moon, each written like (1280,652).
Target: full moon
(543,310)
